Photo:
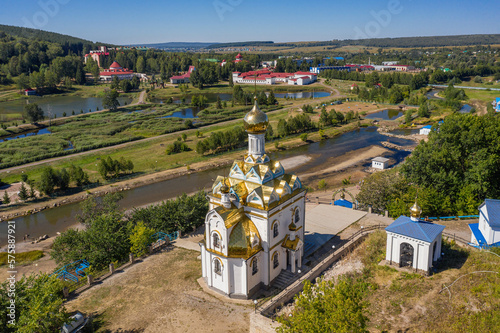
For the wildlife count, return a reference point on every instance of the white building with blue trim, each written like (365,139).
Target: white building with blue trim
(425,130)
(412,242)
(487,231)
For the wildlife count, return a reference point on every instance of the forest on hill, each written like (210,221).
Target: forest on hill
(47,36)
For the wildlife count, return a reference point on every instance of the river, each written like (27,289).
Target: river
(60,218)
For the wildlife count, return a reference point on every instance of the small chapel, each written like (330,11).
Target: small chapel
(412,242)
(255,225)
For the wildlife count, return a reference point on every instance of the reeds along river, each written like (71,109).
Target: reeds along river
(60,218)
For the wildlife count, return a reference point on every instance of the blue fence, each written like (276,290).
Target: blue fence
(163,236)
(453,217)
(72,271)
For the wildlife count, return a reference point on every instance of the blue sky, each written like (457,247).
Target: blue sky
(148,21)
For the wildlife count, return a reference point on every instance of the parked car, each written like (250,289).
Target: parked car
(76,324)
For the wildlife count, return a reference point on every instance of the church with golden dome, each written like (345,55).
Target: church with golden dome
(255,225)
(412,242)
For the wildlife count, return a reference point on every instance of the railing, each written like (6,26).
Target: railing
(267,306)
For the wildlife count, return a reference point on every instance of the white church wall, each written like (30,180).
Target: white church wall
(274,272)
(255,279)
(220,281)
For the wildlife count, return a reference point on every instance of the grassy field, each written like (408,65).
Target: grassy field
(22,257)
(150,156)
(400,300)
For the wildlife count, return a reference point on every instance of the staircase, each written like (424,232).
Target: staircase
(284,279)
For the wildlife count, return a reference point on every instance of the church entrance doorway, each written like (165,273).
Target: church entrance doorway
(406,255)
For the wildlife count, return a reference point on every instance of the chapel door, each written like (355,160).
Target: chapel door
(406,255)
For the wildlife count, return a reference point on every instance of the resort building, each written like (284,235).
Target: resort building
(268,77)
(412,242)
(487,231)
(116,70)
(184,78)
(97,54)
(255,225)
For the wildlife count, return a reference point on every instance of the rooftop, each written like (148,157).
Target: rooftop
(421,230)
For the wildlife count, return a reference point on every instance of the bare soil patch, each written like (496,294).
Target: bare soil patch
(161,294)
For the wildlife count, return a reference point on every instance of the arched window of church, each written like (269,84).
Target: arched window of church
(215,240)
(255,266)
(276,260)
(217,267)
(275,229)
(297,216)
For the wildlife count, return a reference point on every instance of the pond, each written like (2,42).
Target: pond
(465,109)
(189,113)
(26,134)
(404,131)
(305,94)
(212,98)
(57,105)
(60,218)
(387,114)
(432,94)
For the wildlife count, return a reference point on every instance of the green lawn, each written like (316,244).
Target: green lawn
(22,257)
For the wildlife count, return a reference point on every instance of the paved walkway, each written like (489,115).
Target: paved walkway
(187,243)
(323,222)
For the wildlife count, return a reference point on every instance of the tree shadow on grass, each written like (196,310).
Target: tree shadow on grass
(453,257)
(97,322)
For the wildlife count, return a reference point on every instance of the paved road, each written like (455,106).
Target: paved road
(141,101)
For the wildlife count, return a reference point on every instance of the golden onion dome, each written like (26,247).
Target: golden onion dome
(415,210)
(224,189)
(256,121)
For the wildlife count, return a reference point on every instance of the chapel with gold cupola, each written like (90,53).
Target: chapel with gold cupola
(255,225)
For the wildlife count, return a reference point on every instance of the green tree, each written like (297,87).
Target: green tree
(78,175)
(110,100)
(23,193)
(33,112)
(140,239)
(218,104)
(5,199)
(184,137)
(303,137)
(39,305)
(322,184)
(24,177)
(328,307)
(48,180)
(23,82)
(140,64)
(271,99)
(408,116)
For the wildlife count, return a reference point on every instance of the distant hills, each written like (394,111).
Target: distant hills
(403,42)
(177,45)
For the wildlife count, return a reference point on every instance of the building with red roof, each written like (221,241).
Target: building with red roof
(116,70)
(97,54)
(184,78)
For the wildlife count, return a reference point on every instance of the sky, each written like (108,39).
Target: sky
(147,21)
